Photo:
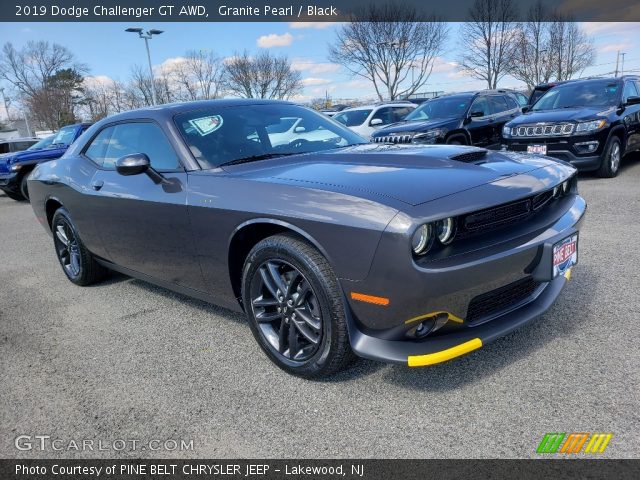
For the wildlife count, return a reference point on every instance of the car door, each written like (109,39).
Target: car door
(503,109)
(143,226)
(479,122)
(631,115)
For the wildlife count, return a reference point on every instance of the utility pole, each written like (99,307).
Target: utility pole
(147,36)
(617,62)
(622,67)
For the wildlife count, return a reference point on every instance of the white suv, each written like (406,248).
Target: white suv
(364,120)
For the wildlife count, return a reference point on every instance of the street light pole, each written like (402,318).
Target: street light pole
(147,36)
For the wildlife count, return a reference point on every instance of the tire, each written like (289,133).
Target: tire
(610,164)
(457,140)
(24,188)
(78,264)
(291,297)
(14,196)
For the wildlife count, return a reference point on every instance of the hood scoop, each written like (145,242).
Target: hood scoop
(470,156)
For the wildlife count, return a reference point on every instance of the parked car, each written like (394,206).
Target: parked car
(16,144)
(542,88)
(411,255)
(469,118)
(15,168)
(295,128)
(331,111)
(366,119)
(590,123)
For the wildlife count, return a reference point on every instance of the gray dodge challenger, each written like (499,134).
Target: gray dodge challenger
(330,245)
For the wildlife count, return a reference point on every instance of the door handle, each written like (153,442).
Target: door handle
(97,184)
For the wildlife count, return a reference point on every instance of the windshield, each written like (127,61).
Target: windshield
(445,107)
(352,118)
(602,93)
(65,136)
(42,144)
(223,135)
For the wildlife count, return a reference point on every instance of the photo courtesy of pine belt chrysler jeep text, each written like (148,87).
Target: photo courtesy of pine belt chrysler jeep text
(411,254)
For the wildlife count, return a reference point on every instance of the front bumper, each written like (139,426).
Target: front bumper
(378,332)
(568,149)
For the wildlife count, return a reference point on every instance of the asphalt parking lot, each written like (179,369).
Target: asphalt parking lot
(127,360)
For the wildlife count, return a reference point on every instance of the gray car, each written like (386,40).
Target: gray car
(332,247)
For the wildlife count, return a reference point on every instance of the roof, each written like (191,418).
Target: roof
(180,107)
(399,103)
(20,139)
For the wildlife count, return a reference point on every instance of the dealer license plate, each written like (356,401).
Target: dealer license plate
(565,255)
(539,149)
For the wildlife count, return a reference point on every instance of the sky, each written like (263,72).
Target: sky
(111,52)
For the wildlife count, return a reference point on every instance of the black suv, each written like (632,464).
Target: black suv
(591,123)
(469,118)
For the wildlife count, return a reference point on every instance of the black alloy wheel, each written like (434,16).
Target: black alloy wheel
(24,187)
(67,248)
(287,311)
(295,307)
(78,264)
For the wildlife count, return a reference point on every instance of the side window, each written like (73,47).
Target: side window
(498,105)
(97,150)
(480,104)
(142,137)
(385,114)
(4,148)
(629,91)
(400,112)
(512,103)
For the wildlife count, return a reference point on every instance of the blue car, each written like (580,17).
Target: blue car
(15,168)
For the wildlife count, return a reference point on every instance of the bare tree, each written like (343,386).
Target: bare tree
(488,41)
(390,46)
(571,48)
(197,75)
(531,62)
(261,76)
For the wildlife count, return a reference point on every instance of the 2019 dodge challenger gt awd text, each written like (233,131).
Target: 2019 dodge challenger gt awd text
(400,253)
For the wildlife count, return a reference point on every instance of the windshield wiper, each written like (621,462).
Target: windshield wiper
(254,158)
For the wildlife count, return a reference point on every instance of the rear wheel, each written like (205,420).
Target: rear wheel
(77,262)
(294,307)
(610,163)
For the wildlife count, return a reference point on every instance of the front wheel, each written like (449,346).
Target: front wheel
(14,196)
(295,308)
(77,262)
(24,188)
(610,163)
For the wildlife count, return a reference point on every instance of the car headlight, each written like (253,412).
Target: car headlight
(15,167)
(445,230)
(422,239)
(592,126)
(566,186)
(506,131)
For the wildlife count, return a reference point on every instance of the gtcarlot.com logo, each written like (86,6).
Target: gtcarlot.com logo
(574,443)
(47,443)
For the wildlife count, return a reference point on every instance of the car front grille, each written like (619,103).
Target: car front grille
(515,294)
(393,139)
(543,130)
(502,215)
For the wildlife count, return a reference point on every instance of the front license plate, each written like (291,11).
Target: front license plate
(565,255)
(539,149)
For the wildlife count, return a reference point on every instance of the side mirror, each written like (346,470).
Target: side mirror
(632,100)
(476,114)
(137,163)
(133,164)
(299,130)
(375,121)
(526,108)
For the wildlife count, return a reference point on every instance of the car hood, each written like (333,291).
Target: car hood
(415,126)
(410,174)
(561,115)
